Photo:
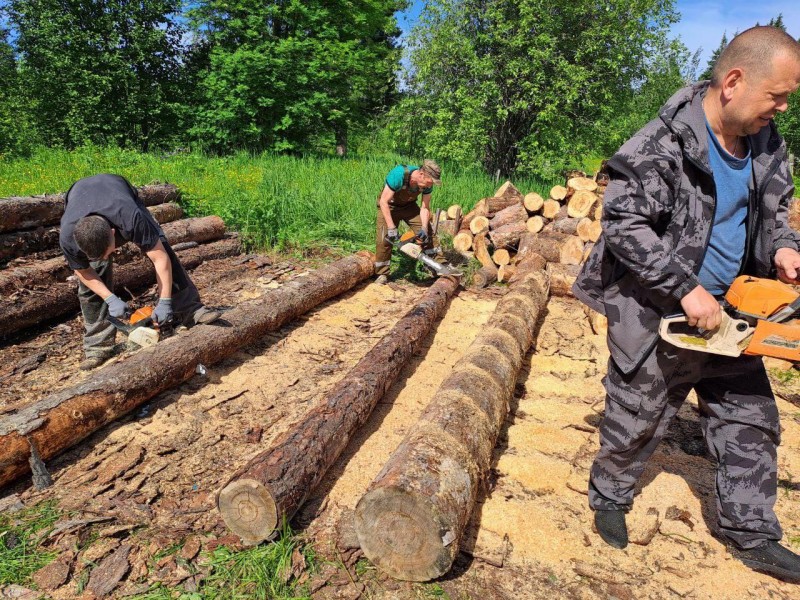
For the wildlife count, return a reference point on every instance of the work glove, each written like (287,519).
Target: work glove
(163,312)
(116,307)
(422,236)
(392,235)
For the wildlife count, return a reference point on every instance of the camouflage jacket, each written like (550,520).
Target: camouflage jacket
(657,215)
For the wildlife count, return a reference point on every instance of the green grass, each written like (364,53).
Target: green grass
(283,202)
(20,535)
(260,572)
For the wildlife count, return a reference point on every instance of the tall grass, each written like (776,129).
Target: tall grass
(275,201)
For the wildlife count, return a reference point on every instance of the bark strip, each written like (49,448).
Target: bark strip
(65,418)
(273,485)
(40,211)
(411,520)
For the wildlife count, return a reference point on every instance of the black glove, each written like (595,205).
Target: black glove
(163,312)
(422,236)
(392,235)
(116,307)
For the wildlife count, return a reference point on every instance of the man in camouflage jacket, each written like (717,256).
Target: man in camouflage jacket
(658,217)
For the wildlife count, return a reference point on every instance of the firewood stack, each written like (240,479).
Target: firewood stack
(510,233)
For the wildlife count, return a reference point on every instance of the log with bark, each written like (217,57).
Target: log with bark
(501,257)
(274,484)
(448,227)
(555,247)
(67,417)
(550,208)
(481,247)
(49,272)
(533,202)
(568,225)
(22,243)
(505,273)
(479,225)
(40,211)
(411,520)
(509,191)
(535,224)
(483,277)
(575,184)
(562,277)
(454,212)
(558,193)
(462,241)
(36,306)
(515,213)
(508,236)
(581,204)
(529,264)
(478,211)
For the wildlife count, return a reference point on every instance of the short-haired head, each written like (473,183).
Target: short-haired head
(753,51)
(93,236)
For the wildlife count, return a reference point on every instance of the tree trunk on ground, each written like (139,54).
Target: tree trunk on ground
(411,520)
(555,247)
(59,299)
(478,211)
(508,236)
(22,243)
(515,213)
(66,417)
(478,225)
(40,211)
(49,272)
(561,279)
(495,205)
(273,485)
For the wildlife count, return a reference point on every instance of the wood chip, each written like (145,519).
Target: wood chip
(52,576)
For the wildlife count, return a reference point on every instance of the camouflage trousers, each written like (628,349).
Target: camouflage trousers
(99,334)
(740,423)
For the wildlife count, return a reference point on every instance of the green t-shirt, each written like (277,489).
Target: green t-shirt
(395,179)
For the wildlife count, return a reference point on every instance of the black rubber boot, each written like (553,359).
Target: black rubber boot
(610,524)
(773,559)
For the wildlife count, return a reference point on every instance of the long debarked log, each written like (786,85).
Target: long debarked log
(410,521)
(55,270)
(66,417)
(273,485)
(21,243)
(40,211)
(62,298)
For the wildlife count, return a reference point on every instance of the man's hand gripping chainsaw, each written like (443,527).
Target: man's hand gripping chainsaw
(755,321)
(410,245)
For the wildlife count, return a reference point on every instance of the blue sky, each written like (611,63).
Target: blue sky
(702,21)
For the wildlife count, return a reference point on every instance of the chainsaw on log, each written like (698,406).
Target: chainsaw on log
(140,327)
(755,321)
(410,245)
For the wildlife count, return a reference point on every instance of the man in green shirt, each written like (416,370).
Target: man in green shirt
(398,202)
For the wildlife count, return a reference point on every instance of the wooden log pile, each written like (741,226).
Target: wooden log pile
(35,290)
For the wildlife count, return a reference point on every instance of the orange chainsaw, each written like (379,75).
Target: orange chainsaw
(140,327)
(757,319)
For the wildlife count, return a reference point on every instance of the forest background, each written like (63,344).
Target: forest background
(284,116)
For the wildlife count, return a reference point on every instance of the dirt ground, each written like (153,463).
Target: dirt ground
(149,479)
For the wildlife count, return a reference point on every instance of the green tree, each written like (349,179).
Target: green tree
(714,57)
(283,73)
(517,85)
(102,72)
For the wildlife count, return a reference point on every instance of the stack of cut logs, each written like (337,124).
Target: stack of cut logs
(34,283)
(504,232)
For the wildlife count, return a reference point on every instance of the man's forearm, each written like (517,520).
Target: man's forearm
(387,214)
(91,280)
(163,268)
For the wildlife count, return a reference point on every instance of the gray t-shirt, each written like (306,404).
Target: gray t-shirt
(112,197)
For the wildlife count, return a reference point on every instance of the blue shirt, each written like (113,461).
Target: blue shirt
(726,247)
(395,179)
